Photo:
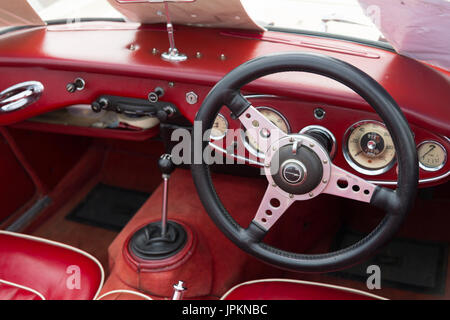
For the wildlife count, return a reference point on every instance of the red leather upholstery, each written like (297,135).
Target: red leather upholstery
(32,268)
(293,290)
(124,295)
(11,291)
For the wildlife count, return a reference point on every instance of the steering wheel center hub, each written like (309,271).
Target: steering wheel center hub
(293,172)
(297,164)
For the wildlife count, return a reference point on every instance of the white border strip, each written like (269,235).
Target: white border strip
(23,288)
(65,246)
(317,284)
(124,291)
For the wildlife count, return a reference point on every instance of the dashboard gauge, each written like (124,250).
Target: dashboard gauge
(432,155)
(368,147)
(276,118)
(219,128)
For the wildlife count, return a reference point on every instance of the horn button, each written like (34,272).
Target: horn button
(298,173)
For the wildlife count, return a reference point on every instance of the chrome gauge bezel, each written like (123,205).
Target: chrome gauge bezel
(328,132)
(434,169)
(226,130)
(248,146)
(350,160)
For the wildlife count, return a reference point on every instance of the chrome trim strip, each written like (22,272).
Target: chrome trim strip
(260,96)
(212,145)
(427,180)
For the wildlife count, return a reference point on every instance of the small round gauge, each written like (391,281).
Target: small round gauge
(368,147)
(432,155)
(219,128)
(276,118)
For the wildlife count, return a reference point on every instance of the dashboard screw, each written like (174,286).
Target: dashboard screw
(325,161)
(324,181)
(291,196)
(311,194)
(265,133)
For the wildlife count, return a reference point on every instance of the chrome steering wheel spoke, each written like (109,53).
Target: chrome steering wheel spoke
(262,130)
(272,207)
(346,185)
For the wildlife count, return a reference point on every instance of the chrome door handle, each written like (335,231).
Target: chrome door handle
(20,96)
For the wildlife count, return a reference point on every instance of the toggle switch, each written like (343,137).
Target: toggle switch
(77,85)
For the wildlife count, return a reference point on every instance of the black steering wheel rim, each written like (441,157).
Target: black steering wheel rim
(398,202)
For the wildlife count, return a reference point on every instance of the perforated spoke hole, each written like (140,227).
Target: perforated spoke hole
(274,202)
(342,183)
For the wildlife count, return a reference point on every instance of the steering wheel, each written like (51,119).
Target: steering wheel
(298,167)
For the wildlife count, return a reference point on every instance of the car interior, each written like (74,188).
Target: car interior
(141,159)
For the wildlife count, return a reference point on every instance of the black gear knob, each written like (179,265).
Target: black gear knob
(165,164)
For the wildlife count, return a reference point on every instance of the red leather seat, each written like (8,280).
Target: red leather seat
(284,289)
(36,269)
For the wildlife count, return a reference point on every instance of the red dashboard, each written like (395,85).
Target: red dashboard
(124,60)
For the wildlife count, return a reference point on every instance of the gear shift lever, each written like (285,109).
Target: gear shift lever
(162,239)
(166,166)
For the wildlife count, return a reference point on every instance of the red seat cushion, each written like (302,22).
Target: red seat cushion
(12,291)
(56,271)
(281,289)
(123,295)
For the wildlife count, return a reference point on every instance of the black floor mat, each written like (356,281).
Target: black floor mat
(405,264)
(108,207)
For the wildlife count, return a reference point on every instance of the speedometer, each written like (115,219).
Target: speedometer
(368,147)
